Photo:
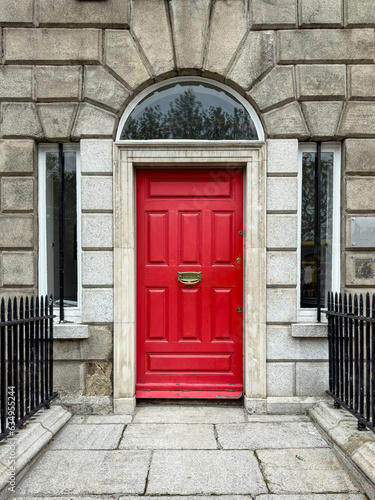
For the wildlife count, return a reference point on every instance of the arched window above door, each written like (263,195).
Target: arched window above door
(193,109)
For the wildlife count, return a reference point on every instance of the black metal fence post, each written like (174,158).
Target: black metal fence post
(26,357)
(351,340)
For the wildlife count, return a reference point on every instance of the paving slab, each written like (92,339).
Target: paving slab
(188,414)
(212,472)
(277,418)
(88,437)
(190,497)
(315,496)
(169,437)
(254,436)
(320,472)
(87,473)
(109,419)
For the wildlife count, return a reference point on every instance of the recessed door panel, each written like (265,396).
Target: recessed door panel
(189,282)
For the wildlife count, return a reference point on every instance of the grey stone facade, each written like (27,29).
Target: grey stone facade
(68,70)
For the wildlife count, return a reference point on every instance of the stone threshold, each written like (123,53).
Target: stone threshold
(355,448)
(19,451)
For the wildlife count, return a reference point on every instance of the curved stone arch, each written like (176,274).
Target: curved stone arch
(194,79)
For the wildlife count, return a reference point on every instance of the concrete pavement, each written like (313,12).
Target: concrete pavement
(169,451)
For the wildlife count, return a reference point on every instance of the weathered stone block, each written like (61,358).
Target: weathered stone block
(97,268)
(322,117)
(282,156)
(229,23)
(282,194)
(151,26)
(92,121)
(287,121)
(17,156)
(275,14)
(17,193)
(281,268)
(311,330)
(58,82)
(16,231)
(282,346)
(312,379)
(98,379)
(18,268)
(65,349)
(280,379)
(16,11)
(15,82)
(96,155)
(359,155)
(360,193)
(276,88)
(256,57)
(96,193)
(281,305)
(99,345)
(68,378)
(359,13)
(97,305)
(20,120)
(57,119)
(190,26)
(282,231)
(360,269)
(70,331)
(97,231)
(123,57)
(329,45)
(50,45)
(320,12)
(321,81)
(358,119)
(361,81)
(102,87)
(112,12)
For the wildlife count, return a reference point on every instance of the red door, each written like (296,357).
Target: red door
(189,335)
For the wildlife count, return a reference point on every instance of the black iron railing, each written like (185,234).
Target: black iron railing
(351,337)
(26,360)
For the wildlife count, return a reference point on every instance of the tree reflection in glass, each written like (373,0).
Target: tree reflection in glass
(189,111)
(309,283)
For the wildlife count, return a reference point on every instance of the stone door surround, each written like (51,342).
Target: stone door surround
(247,155)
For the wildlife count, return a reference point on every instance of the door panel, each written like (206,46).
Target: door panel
(189,337)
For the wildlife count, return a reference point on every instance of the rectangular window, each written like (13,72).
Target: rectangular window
(329,251)
(60,260)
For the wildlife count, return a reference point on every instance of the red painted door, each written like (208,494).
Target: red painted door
(189,336)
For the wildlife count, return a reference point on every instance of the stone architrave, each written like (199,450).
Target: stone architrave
(358,119)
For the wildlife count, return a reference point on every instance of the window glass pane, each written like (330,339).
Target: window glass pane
(309,284)
(189,111)
(69,225)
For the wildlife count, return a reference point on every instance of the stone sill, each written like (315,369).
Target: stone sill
(70,331)
(319,330)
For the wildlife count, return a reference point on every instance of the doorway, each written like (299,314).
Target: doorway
(189,283)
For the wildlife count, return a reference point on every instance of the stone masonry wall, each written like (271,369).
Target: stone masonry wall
(68,69)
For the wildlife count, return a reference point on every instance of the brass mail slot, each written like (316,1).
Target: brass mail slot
(189,278)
